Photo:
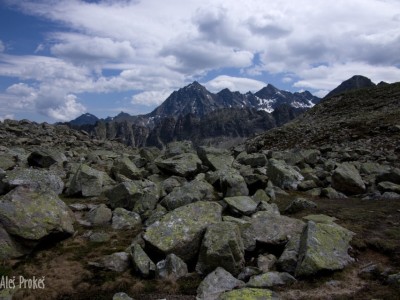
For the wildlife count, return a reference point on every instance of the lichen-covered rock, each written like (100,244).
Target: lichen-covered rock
(347,179)
(387,186)
(299,204)
(241,204)
(138,195)
(269,228)
(249,294)
(215,158)
(123,219)
(180,231)
(253,160)
(283,175)
(33,215)
(215,283)
(44,158)
(193,191)
(323,246)
(117,262)
(186,164)
(41,180)
(126,167)
(222,246)
(8,247)
(266,262)
(287,262)
(172,267)
(271,279)
(99,215)
(88,182)
(7,161)
(142,263)
(232,183)
(331,193)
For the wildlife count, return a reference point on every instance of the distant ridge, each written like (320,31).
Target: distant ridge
(354,83)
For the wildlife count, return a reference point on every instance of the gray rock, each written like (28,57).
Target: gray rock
(253,160)
(299,204)
(193,191)
(44,158)
(283,175)
(215,158)
(269,228)
(271,279)
(172,267)
(392,175)
(99,215)
(41,180)
(331,193)
(121,296)
(168,185)
(261,196)
(387,186)
(7,161)
(185,165)
(323,246)
(99,237)
(88,182)
(126,167)
(34,215)
(8,247)
(307,185)
(178,148)
(232,183)
(222,246)
(250,294)
(347,179)
(142,264)
(241,204)
(266,262)
(123,219)
(117,262)
(215,283)
(390,196)
(394,280)
(373,168)
(180,231)
(287,262)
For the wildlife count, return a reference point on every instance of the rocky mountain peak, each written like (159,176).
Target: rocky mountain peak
(354,83)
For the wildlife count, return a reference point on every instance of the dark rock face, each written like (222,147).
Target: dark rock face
(354,83)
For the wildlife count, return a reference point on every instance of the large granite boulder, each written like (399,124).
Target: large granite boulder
(88,182)
(347,179)
(44,158)
(193,191)
(241,204)
(172,267)
(323,247)
(283,175)
(269,228)
(42,180)
(253,160)
(217,282)
(124,166)
(222,246)
(185,165)
(33,215)
(142,263)
(180,231)
(215,158)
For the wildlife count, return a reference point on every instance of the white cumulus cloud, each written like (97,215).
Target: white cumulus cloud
(66,111)
(151,98)
(240,84)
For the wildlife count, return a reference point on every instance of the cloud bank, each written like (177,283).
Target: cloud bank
(153,47)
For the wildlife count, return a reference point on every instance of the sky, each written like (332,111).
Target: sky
(62,58)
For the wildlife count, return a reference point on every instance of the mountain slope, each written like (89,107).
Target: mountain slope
(367,116)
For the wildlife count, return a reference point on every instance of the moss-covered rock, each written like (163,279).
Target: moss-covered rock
(347,179)
(180,231)
(172,267)
(249,294)
(99,215)
(123,219)
(126,167)
(232,183)
(222,246)
(142,263)
(215,158)
(33,215)
(215,283)
(186,164)
(88,182)
(193,191)
(44,158)
(269,228)
(271,279)
(323,246)
(241,204)
(42,180)
(282,175)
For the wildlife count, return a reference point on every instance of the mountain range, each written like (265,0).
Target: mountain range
(196,114)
